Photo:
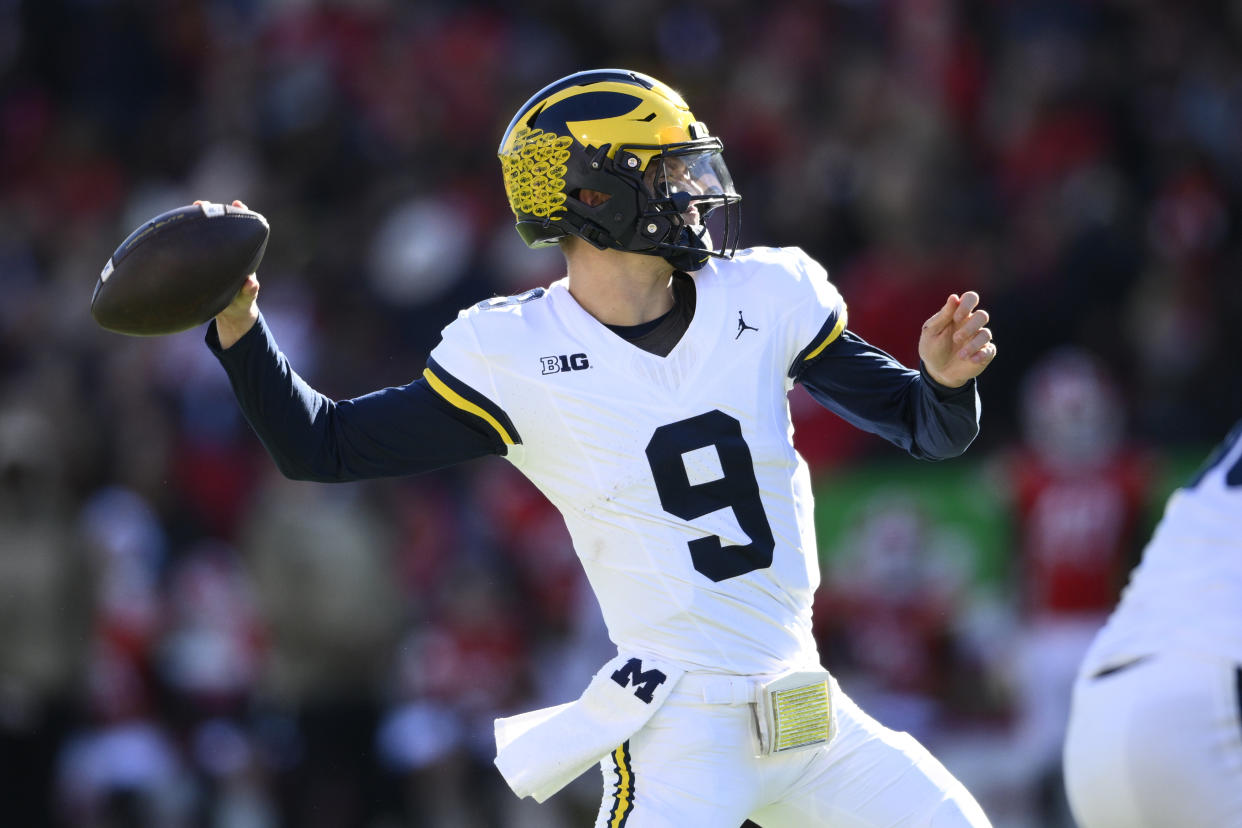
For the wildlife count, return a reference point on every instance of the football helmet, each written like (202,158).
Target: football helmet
(616,158)
(1072,413)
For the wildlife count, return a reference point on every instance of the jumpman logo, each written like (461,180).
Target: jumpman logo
(742,326)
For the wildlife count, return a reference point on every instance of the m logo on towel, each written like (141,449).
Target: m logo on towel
(646,682)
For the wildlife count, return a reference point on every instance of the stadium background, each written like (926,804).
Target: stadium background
(186,639)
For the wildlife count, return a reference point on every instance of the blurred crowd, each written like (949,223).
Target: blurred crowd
(188,639)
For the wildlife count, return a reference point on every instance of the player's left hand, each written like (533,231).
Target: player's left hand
(955,345)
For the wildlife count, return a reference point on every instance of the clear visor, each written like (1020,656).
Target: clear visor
(701,174)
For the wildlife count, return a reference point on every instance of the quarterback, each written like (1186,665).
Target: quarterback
(1155,732)
(645,394)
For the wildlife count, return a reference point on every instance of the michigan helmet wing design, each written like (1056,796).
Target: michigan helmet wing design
(617,158)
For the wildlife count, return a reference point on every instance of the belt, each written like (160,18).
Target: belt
(793,711)
(720,688)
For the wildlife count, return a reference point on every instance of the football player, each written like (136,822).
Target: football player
(645,394)
(1080,495)
(1155,732)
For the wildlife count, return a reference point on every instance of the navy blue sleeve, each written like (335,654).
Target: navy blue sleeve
(876,393)
(394,431)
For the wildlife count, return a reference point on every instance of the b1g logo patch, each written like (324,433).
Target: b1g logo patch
(564,362)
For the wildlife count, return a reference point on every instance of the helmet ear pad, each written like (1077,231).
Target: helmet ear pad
(627,219)
(610,224)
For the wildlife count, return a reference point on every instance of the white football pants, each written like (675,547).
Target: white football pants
(693,766)
(1157,745)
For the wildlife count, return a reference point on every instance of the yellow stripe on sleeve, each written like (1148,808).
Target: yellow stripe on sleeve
(465,405)
(828,340)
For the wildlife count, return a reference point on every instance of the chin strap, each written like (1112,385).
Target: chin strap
(690,251)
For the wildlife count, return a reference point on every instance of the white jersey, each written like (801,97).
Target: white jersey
(1186,594)
(687,504)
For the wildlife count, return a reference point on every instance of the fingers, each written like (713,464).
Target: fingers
(250,289)
(973,324)
(970,321)
(985,354)
(967,304)
(963,323)
(236,203)
(973,336)
(941,318)
(982,339)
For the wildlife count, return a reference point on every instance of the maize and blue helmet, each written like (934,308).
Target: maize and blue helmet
(655,171)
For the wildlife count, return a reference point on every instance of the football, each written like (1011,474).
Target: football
(179,269)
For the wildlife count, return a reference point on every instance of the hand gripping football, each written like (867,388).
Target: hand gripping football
(179,269)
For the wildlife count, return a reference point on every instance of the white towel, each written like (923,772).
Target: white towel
(542,751)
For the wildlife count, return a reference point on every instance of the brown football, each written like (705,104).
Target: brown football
(179,269)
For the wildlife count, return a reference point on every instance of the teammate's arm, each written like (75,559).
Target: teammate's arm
(394,431)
